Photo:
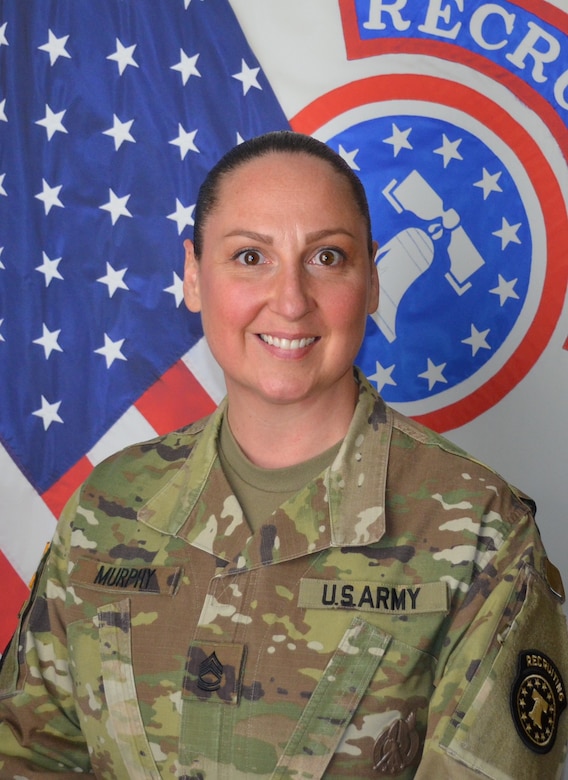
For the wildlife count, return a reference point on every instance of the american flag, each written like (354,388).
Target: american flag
(111,113)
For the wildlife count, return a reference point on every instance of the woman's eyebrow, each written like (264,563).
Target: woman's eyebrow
(264,238)
(318,235)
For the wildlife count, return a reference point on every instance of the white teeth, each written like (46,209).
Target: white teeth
(274,341)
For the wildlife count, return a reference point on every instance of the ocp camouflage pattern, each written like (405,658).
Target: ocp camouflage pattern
(371,628)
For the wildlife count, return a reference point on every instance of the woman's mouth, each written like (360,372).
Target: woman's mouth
(284,343)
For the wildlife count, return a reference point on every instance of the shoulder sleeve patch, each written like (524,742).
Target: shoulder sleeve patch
(538,698)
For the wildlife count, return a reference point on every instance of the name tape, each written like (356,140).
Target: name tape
(159,580)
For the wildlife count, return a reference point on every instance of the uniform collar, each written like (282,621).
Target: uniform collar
(344,506)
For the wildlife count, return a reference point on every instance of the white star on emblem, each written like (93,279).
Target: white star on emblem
(55,47)
(49,196)
(123,56)
(489,183)
(48,412)
(183,215)
(120,132)
(477,340)
(116,206)
(2,190)
(505,290)
(111,350)
(113,279)
(52,122)
(185,141)
(48,341)
(49,268)
(186,66)
(449,150)
(3,39)
(434,374)
(3,117)
(248,77)
(398,139)
(176,289)
(349,157)
(382,376)
(507,233)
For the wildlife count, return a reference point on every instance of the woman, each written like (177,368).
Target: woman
(306,584)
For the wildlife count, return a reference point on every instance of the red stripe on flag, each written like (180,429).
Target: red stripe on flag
(14,593)
(176,399)
(59,493)
(566,344)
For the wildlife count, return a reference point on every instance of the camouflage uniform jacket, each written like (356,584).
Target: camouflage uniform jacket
(396,618)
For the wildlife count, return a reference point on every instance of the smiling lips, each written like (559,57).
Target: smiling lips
(283,343)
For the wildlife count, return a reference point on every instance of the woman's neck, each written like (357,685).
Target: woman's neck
(280,435)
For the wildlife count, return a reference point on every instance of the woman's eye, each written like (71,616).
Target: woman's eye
(328,257)
(249,257)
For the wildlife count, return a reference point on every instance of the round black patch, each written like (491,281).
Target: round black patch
(538,697)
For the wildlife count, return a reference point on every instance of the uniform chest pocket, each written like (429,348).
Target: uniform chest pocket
(101,655)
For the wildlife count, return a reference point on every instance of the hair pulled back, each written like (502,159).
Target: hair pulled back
(280,141)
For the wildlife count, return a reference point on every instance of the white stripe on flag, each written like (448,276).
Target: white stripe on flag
(206,370)
(27,522)
(131,428)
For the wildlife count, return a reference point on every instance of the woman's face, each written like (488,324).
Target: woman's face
(285,281)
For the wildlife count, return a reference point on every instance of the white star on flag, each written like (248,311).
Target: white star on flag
(185,141)
(449,150)
(116,206)
(111,350)
(49,196)
(434,374)
(1,336)
(3,39)
(123,56)
(52,122)
(477,340)
(48,412)
(248,76)
(120,132)
(186,66)
(49,268)
(382,376)
(3,117)
(507,233)
(488,183)
(183,215)
(505,290)
(55,47)
(2,190)
(176,289)
(349,157)
(48,341)
(114,279)
(399,139)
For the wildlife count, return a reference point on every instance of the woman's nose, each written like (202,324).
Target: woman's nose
(292,294)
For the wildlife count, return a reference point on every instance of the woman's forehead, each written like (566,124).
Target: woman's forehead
(280,171)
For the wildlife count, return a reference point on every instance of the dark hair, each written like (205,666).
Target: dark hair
(260,146)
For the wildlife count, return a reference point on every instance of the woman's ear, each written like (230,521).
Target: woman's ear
(191,292)
(374,295)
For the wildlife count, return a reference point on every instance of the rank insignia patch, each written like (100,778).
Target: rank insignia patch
(538,698)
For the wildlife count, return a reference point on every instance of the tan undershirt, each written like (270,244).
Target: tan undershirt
(260,491)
